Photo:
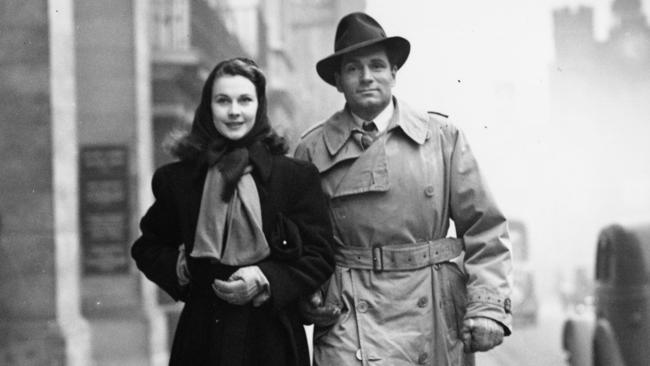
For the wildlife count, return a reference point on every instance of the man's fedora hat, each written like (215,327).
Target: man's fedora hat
(356,31)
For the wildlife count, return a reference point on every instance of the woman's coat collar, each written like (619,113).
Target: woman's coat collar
(259,156)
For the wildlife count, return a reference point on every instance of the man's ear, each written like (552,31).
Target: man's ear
(337,82)
(393,72)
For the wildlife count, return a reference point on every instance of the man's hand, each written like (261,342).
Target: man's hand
(481,334)
(246,284)
(313,310)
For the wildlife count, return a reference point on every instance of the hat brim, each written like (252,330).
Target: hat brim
(398,50)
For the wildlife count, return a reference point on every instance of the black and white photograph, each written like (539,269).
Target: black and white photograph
(325,182)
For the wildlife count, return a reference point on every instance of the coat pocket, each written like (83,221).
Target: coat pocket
(332,295)
(454,296)
(286,242)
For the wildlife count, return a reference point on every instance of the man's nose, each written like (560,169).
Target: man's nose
(366,74)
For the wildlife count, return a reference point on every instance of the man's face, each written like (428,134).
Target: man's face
(366,79)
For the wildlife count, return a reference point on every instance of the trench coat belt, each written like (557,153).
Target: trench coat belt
(400,257)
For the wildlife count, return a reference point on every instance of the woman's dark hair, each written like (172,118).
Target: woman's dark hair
(203,135)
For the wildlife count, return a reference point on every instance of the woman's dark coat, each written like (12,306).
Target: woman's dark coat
(210,331)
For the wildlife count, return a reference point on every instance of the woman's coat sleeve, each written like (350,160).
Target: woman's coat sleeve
(156,250)
(291,279)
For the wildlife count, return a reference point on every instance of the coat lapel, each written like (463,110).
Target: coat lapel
(363,171)
(338,146)
(366,170)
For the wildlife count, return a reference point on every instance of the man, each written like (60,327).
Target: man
(402,293)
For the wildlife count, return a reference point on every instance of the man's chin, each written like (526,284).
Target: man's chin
(370,105)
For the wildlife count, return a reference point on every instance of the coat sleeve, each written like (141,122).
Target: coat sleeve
(290,280)
(156,250)
(483,228)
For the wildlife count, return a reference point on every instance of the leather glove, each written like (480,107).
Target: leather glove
(314,310)
(245,285)
(481,334)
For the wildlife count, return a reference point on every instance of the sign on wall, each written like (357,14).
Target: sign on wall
(104,209)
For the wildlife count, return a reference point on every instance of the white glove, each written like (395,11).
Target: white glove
(245,285)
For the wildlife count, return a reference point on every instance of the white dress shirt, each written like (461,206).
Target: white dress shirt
(381,121)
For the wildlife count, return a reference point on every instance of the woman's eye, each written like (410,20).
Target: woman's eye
(221,101)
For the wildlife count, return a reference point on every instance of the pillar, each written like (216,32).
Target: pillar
(40,319)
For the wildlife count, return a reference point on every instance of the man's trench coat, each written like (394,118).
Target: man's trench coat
(405,189)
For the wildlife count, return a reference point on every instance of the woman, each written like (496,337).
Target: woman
(238,231)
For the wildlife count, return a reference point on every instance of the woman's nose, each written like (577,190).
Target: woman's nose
(234,109)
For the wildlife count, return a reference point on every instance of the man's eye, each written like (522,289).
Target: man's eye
(350,68)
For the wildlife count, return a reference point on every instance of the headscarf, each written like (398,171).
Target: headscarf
(230,156)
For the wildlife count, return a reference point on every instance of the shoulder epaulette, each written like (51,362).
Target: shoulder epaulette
(312,129)
(438,114)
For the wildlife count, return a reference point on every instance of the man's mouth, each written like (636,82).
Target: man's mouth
(367,91)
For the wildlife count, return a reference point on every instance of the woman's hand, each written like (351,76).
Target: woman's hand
(245,285)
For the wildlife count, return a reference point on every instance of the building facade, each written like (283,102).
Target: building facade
(89,92)
(599,120)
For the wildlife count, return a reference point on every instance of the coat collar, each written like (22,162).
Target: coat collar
(338,128)
(261,158)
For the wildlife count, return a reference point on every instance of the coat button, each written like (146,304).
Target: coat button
(359,355)
(422,359)
(429,190)
(362,306)
(423,301)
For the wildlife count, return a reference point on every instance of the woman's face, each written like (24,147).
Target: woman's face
(234,105)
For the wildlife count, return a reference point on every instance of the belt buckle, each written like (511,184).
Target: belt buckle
(377,258)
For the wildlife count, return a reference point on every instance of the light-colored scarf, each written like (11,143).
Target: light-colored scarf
(230,232)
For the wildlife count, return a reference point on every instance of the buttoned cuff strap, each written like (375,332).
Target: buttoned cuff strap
(499,301)
(490,305)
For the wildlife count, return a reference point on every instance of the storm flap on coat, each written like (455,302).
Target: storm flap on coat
(404,189)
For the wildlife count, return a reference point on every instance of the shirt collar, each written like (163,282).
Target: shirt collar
(338,129)
(381,121)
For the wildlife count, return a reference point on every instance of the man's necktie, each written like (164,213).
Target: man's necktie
(369,134)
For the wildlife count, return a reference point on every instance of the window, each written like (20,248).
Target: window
(170,25)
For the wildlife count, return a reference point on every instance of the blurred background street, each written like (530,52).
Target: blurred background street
(535,345)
